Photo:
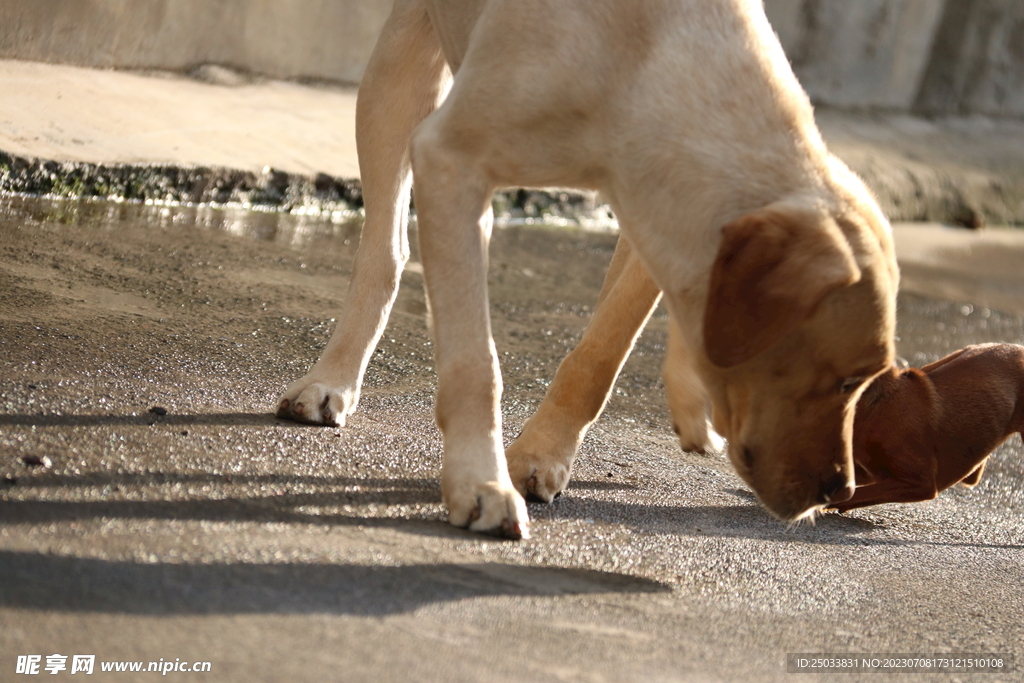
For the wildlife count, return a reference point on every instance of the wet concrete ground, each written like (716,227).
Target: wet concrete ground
(281,552)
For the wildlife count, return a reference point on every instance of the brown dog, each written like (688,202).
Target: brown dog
(920,431)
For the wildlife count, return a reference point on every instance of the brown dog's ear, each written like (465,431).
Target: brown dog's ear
(773,267)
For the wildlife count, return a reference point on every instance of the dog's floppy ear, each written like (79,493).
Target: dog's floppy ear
(773,267)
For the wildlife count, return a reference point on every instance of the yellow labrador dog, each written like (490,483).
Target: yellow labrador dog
(775,262)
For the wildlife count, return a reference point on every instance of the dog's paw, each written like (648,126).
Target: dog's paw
(536,477)
(491,508)
(540,467)
(316,402)
(697,436)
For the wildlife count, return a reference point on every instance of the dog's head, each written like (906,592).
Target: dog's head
(800,317)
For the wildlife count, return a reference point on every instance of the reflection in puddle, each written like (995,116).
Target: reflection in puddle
(295,229)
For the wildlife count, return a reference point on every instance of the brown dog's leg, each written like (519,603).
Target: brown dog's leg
(540,459)
(974,477)
(889,491)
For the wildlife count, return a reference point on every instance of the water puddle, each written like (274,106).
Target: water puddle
(294,229)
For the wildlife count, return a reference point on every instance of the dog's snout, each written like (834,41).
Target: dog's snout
(836,489)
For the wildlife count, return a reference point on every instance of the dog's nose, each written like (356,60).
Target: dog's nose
(836,490)
(748,458)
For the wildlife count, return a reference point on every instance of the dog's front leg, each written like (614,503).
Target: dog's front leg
(914,489)
(540,459)
(452,205)
(403,82)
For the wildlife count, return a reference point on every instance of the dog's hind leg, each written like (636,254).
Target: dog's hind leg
(540,459)
(403,83)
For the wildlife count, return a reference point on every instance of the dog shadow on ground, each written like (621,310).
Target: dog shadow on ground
(748,521)
(407,504)
(30,580)
(264,498)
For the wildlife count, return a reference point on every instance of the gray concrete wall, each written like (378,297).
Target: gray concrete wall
(858,53)
(328,39)
(928,56)
(977,61)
